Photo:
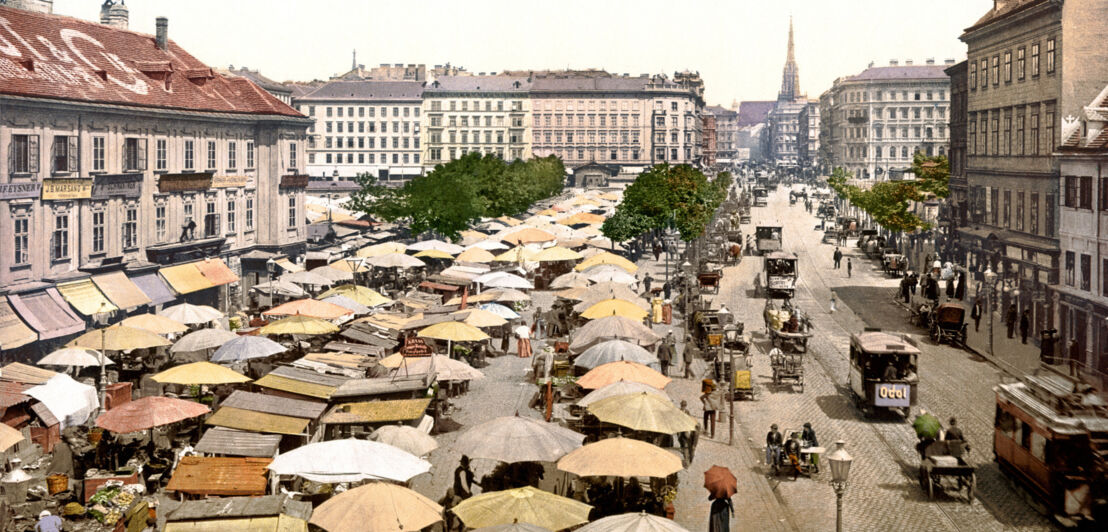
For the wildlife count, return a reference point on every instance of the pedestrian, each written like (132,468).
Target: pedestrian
(837,256)
(48,522)
(808,436)
(954,433)
(463,479)
(687,356)
(1025,324)
(646,282)
(451,522)
(773,445)
(960,288)
(708,401)
(667,290)
(523,343)
(976,315)
(904,292)
(1010,320)
(657,251)
(849,267)
(688,439)
(719,517)
(950,287)
(833,301)
(792,451)
(665,353)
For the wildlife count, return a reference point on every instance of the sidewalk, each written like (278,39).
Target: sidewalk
(1008,354)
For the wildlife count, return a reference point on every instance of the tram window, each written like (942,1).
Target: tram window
(1038,446)
(1005,422)
(1025,435)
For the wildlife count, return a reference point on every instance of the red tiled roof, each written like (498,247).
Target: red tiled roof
(1001,10)
(11,393)
(51,56)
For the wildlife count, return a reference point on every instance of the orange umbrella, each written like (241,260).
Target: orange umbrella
(606,374)
(149,412)
(309,307)
(528,235)
(721,483)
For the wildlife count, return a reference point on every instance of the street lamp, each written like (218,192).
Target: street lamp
(990,278)
(101,320)
(840,471)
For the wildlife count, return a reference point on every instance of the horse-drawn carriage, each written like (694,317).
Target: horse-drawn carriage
(943,461)
(894,264)
(948,323)
(788,367)
(787,328)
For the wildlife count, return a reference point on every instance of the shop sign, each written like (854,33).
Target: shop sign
(184,182)
(66,189)
(126,185)
(13,191)
(294,181)
(229,181)
(894,395)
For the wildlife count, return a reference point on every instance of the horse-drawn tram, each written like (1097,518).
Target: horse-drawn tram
(1052,437)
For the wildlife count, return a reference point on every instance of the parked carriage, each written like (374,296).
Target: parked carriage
(943,466)
(948,323)
(788,367)
(894,264)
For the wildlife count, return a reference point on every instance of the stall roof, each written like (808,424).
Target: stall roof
(360,349)
(216,271)
(238,418)
(20,372)
(185,278)
(11,393)
(288,266)
(377,411)
(154,287)
(278,523)
(309,376)
(13,332)
(285,384)
(239,507)
(47,312)
(120,290)
(221,476)
(380,386)
(86,297)
(270,404)
(222,440)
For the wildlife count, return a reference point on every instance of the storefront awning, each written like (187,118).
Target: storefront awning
(120,290)
(85,297)
(185,278)
(217,271)
(288,266)
(13,332)
(46,312)
(154,287)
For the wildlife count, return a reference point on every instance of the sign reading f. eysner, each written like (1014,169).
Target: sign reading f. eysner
(889,394)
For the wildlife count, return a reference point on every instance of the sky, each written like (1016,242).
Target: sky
(737,46)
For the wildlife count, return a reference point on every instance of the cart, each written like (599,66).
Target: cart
(894,264)
(709,281)
(948,323)
(796,342)
(788,366)
(943,467)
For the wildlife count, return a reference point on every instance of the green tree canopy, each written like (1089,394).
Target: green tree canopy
(889,202)
(666,195)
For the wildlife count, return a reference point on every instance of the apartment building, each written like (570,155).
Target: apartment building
(485,114)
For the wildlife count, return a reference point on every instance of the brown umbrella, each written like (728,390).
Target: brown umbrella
(721,483)
(149,412)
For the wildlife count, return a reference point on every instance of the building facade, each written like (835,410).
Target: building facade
(364,127)
(727,133)
(782,134)
(752,125)
(957,204)
(881,117)
(485,114)
(807,145)
(708,121)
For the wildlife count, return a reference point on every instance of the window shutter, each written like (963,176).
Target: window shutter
(32,154)
(141,155)
(72,154)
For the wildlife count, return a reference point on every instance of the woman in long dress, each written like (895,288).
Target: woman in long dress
(523,343)
(719,518)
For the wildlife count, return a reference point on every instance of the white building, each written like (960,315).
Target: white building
(486,114)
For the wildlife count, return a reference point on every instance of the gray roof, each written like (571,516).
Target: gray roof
(231,442)
(479,84)
(367,90)
(382,386)
(901,72)
(261,81)
(270,404)
(232,507)
(307,375)
(574,84)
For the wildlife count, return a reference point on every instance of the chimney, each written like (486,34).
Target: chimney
(930,60)
(908,62)
(162,34)
(949,61)
(114,14)
(893,62)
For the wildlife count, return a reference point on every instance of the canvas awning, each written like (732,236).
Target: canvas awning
(185,278)
(231,442)
(288,266)
(154,287)
(120,290)
(217,271)
(13,332)
(237,418)
(280,523)
(285,384)
(85,297)
(376,412)
(221,476)
(271,404)
(47,312)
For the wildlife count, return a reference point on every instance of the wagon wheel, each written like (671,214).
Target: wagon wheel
(922,477)
(930,487)
(970,486)
(935,334)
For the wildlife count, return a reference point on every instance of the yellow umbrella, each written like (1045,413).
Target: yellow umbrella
(522,505)
(9,437)
(434,254)
(475,254)
(620,457)
(480,318)
(509,221)
(155,324)
(200,373)
(614,307)
(556,253)
(607,258)
(349,266)
(547,212)
(383,248)
(516,254)
(118,338)
(528,235)
(360,294)
(643,411)
(302,325)
(454,331)
(581,218)
(377,507)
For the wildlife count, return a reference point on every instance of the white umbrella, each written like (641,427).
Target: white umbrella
(500,310)
(395,260)
(349,460)
(490,245)
(518,439)
(406,438)
(446,368)
(334,274)
(503,280)
(202,339)
(570,280)
(437,245)
(508,295)
(640,522)
(246,348)
(619,388)
(309,278)
(348,303)
(514,527)
(614,351)
(74,356)
(280,287)
(191,314)
(606,273)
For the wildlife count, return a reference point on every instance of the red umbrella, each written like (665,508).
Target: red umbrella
(149,412)
(721,483)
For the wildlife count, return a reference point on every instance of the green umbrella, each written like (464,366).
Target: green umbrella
(927,426)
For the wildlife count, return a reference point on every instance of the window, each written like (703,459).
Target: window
(1034,213)
(98,230)
(1049,117)
(1034,134)
(98,154)
(231,226)
(249,213)
(189,145)
(64,154)
(1021,63)
(1007,208)
(250,154)
(1008,66)
(292,212)
(22,233)
(1019,210)
(1050,56)
(211,155)
(1070,264)
(1104,278)
(160,221)
(971,138)
(134,155)
(1019,132)
(1086,193)
(1086,269)
(996,70)
(160,155)
(130,227)
(232,155)
(59,240)
(1048,222)
(211,219)
(1034,59)
(996,133)
(1070,197)
(984,74)
(994,204)
(292,156)
(1102,190)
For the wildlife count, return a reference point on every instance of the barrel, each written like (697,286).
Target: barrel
(56,484)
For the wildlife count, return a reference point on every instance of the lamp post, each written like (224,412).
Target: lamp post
(990,278)
(101,320)
(840,471)
(270,269)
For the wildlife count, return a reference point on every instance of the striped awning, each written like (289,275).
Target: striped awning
(288,266)
(185,278)
(120,290)
(46,312)
(154,287)
(13,332)
(86,297)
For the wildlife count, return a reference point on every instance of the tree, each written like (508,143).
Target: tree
(889,202)
(679,196)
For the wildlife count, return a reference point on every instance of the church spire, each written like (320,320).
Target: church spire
(790,79)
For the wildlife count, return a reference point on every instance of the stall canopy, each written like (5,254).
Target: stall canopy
(68,400)
(47,313)
(85,297)
(271,513)
(185,278)
(217,271)
(288,266)
(154,287)
(272,404)
(376,412)
(120,290)
(13,332)
(232,442)
(238,418)
(220,476)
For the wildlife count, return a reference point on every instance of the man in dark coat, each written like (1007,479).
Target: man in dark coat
(665,353)
(687,356)
(1010,320)
(837,256)
(646,282)
(976,315)
(1025,324)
